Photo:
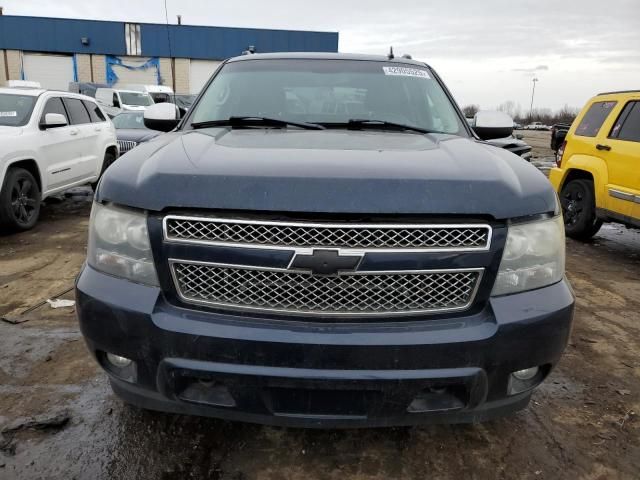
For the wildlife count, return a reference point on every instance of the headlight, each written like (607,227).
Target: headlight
(533,256)
(119,244)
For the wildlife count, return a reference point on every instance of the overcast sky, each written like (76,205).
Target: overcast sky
(487,51)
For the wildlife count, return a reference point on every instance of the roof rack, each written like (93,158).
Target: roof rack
(619,91)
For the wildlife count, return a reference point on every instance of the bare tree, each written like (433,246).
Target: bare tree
(508,107)
(470,110)
(566,114)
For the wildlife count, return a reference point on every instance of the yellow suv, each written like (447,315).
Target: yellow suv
(598,172)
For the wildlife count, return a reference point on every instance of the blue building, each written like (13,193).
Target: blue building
(56,51)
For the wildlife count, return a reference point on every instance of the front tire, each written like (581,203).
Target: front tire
(579,209)
(19,201)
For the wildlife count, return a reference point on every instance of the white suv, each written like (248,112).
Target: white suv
(49,141)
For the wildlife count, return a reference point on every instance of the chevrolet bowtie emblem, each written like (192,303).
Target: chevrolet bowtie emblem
(325,262)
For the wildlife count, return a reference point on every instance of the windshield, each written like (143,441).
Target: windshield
(134,98)
(329,92)
(15,110)
(129,120)
(159,97)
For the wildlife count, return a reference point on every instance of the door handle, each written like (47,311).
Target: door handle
(98,129)
(73,132)
(606,148)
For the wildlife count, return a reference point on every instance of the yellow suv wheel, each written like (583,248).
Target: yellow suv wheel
(579,209)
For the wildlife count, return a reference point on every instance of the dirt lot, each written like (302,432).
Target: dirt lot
(60,421)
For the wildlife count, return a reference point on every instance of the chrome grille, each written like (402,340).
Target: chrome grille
(126,145)
(301,234)
(368,293)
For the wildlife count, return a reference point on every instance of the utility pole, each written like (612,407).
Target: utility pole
(532,95)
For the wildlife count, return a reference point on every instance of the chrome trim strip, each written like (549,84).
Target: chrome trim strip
(173,261)
(620,195)
(169,239)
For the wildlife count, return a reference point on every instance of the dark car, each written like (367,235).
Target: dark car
(512,143)
(558,134)
(323,241)
(131,130)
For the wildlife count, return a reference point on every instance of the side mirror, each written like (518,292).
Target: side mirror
(116,103)
(163,117)
(492,124)
(54,120)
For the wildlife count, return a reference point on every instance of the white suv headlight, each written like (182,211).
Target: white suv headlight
(119,244)
(533,256)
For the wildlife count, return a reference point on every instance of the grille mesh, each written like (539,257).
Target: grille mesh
(380,293)
(341,235)
(126,145)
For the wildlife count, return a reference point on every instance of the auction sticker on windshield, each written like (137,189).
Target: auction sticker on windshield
(406,72)
(8,114)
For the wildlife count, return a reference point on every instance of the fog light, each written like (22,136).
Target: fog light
(526,374)
(117,361)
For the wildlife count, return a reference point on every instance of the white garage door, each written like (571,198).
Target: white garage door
(52,71)
(137,76)
(199,73)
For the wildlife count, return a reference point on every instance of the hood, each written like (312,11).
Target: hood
(13,131)
(329,171)
(133,108)
(138,135)
(504,142)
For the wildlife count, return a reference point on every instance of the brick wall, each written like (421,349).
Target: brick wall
(3,74)
(83,64)
(14,64)
(99,69)
(182,76)
(165,72)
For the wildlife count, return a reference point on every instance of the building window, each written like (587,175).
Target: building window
(132,38)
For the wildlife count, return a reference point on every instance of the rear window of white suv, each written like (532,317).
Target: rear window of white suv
(15,110)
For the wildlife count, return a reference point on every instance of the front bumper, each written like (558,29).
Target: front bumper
(303,374)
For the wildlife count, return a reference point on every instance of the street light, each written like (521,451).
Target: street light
(532,95)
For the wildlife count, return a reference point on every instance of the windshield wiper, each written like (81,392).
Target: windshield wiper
(256,122)
(359,124)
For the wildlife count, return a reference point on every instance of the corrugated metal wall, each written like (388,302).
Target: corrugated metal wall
(210,43)
(61,35)
(217,43)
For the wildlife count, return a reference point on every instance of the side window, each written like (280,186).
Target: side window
(54,105)
(116,102)
(627,127)
(94,112)
(77,112)
(594,118)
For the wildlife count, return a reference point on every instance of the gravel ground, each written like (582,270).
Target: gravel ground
(59,419)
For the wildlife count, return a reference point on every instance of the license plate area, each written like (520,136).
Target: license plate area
(321,403)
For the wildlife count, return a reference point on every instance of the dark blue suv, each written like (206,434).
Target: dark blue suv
(323,241)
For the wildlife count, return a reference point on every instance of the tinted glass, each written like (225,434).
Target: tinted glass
(54,105)
(627,126)
(594,118)
(330,91)
(135,98)
(78,113)
(160,97)
(129,120)
(94,112)
(15,110)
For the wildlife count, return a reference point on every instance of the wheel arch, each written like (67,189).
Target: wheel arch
(112,149)
(588,168)
(31,166)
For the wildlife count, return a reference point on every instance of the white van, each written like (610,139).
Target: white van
(116,100)
(159,93)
